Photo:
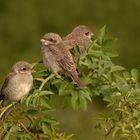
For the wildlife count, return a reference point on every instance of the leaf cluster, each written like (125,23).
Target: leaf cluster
(32,117)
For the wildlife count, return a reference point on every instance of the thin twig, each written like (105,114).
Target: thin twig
(108,132)
(47,79)
(4,134)
(6,108)
(24,127)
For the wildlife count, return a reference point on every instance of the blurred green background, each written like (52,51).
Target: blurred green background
(23,23)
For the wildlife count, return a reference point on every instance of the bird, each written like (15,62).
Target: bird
(80,36)
(17,83)
(49,51)
(57,57)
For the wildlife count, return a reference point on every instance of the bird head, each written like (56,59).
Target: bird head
(83,31)
(50,38)
(22,67)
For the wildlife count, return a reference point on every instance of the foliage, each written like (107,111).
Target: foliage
(32,118)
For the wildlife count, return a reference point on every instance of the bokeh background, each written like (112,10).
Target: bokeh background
(23,23)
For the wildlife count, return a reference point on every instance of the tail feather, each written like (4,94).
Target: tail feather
(77,80)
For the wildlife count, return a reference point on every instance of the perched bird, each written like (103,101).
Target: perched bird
(80,36)
(57,57)
(17,83)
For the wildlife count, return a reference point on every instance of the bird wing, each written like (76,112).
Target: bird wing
(8,77)
(66,62)
(65,59)
(67,37)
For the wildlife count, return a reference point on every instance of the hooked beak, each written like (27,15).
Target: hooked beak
(45,42)
(42,40)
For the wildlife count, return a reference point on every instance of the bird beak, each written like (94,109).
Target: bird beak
(45,42)
(92,34)
(42,40)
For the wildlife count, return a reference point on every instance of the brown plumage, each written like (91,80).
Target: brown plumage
(57,57)
(80,36)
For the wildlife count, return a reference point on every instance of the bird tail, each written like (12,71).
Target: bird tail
(77,80)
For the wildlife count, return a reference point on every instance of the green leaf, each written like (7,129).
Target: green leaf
(23,136)
(115,131)
(117,68)
(86,94)
(43,136)
(28,100)
(87,61)
(74,100)
(45,92)
(69,137)
(126,75)
(107,43)
(111,54)
(14,128)
(83,103)
(36,123)
(101,34)
(135,74)
(119,78)
(7,136)
(32,111)
(65,88)
(97,53)
(45,102)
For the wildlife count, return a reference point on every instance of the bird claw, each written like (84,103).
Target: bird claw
(39,79)
(58,76)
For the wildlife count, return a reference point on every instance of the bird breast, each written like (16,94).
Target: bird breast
(49,60)
(18,87)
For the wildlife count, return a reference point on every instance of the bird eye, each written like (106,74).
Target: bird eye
(51,40)
(87,33)
(24,69)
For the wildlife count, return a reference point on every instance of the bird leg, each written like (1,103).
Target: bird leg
(39,79)
(57,75)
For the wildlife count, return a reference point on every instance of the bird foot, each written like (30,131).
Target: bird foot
(58,76)
(39,79)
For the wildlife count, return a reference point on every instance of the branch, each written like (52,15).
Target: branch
(47,79)
(108,132)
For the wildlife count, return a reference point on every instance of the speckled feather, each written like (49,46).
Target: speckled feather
(78,38)
(63,59)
